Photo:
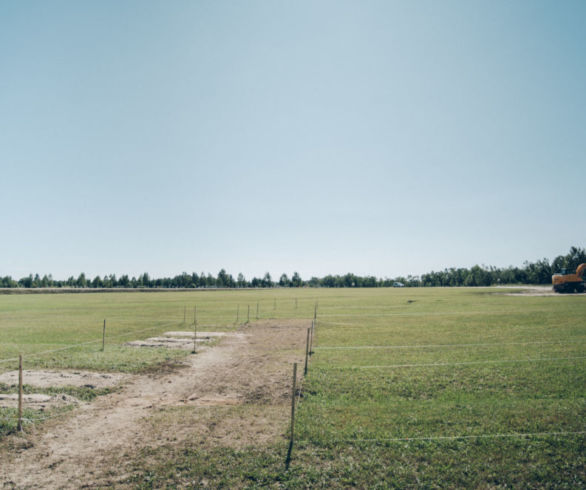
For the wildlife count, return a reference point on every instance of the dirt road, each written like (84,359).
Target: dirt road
(248,367)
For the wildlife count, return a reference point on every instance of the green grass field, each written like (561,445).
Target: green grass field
(430,392)
(65,330)
(406,388)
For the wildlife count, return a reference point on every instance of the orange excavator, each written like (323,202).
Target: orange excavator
(567,282)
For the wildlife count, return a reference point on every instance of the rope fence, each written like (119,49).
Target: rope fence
(18,417)
(450,438)
(31,419)
(315,444)
(440,346)
(89,342)
(464,363)
(301,378)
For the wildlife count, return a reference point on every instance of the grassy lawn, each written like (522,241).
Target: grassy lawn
(459,371)
(406,388)
(71,324)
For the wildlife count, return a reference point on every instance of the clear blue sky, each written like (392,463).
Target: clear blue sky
(379,138)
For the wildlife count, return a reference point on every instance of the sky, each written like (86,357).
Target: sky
(376,137)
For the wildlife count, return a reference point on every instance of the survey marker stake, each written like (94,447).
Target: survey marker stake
(19,424)
(194,327)
(306,352)
(288,459)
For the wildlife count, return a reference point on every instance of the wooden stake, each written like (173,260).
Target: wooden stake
(293,393)
(194,328)
(19,424)
(104,335)
(311,338)
(315,311)
(306,352)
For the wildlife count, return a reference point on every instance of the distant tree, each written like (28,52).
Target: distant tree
(222,281)
(241,281)
(210,281)
(7,282)
(26,282)
(97,282)
(81,281)
(296,280)
(230,282)
(284,281)
(575,257)
(558,263)
(195,279)
(538,272)
(314,282)
(329,281)
(369,282)
(142,281)
(267,281)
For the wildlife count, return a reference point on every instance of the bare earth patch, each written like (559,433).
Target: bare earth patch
(234,394)
(177,340)
(47,379)
(37,401)
(205,335)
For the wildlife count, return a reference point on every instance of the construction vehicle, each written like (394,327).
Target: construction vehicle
(567,282)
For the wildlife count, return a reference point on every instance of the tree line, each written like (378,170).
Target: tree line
(538,272)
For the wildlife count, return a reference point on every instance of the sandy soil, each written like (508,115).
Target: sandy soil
(46,379)
(37,401)
(234,394)
(177,340)
(205,335)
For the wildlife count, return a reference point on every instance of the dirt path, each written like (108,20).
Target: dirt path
(84,449)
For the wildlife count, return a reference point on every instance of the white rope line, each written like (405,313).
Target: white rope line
(453,438)
(498,361)
(49,351)
(432,346)
(35,354)
(413,313)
